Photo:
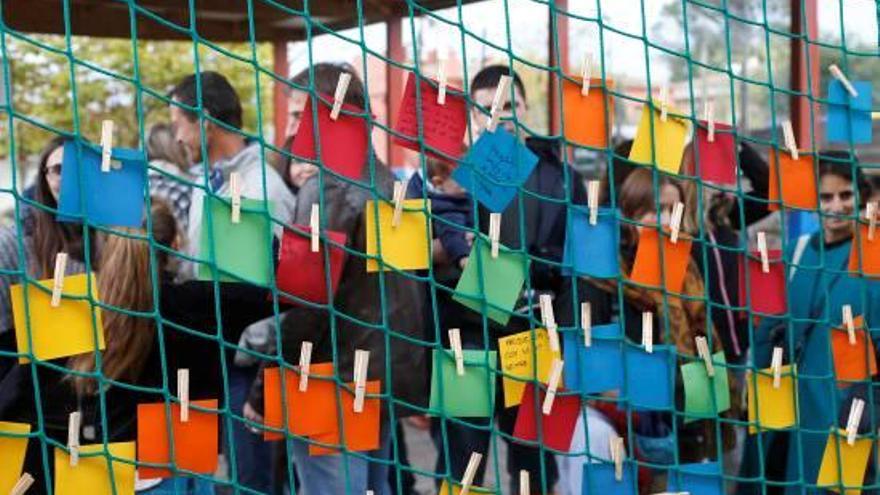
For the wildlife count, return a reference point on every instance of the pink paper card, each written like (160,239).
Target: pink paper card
(716,159)
(557,427)
(767,289)
(301,273)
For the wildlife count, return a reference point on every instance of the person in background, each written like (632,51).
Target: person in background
(167,173)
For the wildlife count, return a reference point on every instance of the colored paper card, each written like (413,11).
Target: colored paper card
(771,408)
(442,126)
(242,251)
(468,396)
(303,273)
(447,488)
(766,292)
(557,427)
(57,332)
(12,450)
(665,147)
(853,362)
(647,265)
(599,479)
(598,368)
(698,479)
(849,118)
(705,396)
(103,198)
(716,160)
(495,168)
(195,441)
(92,474)
(491,285)
(519,353)
(405,247)
(649,378)
(312,412)
(343,142)
(587,119)
(851,464)
(864,255)
(792,181)
(361,429)
(591,250)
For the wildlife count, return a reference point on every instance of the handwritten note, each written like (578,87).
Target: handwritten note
(792,181)
(587,119)
(347,160)
(849,119)
(518,362)
(92,473)
(13,449)
(664,146)
(443,126)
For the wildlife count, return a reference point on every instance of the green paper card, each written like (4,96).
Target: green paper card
(471,395)
(698,389)
(242,250)
(502,281)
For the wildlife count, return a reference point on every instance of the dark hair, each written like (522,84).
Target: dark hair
(489,76)
(842,164)
(326,76)
(219,98)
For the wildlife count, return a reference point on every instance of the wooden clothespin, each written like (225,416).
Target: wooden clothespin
(552,386)
(73,425)
(849,323)
(617,455)
(58,279)
(586,74)
(470,473)
(703,352)
(441,80)
(549,320)
(339,96)
(648,331)
(455,344)
(106,145)
(315,227)
(495,232)
(776,366)
(838,74)
(235,189)
(22,485)
(788,136)
(710,121)
(593,201)
(664,103)
(587,323)
(305,362)
(497,102)
(762,250)
(398,195)
(524,484)
(871,213)
(675,221)
(183,393)
(855,418)
(361,364)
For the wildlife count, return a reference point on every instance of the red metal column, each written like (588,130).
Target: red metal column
(805,60)
(279,98)
(394,84)
(557,60)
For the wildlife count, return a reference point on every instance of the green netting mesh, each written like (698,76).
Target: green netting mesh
(759,64)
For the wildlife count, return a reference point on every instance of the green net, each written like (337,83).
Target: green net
(630,402)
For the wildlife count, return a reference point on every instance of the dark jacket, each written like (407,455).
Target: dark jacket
(755,168)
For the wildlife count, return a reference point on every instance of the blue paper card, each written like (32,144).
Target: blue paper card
(702,479)
(849,119)
(591,249)
(494,169)
(594,369)
(114,198)
(599,479)
(649,378)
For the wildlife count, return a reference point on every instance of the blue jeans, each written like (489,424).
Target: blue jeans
(181,485)
(253,456)
(327,474)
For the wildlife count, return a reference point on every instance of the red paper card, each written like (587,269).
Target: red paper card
(344,142)
(361,429)
(195,442)
(866,251)
(798,180)
(301,272)
(646,267)
(557,427)
(443,126)
(767,289)
(853,362)
(312,412)
(717,160)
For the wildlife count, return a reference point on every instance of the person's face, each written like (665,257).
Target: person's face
(483,99)
(53,172)
(669,196)
(188,133)
(837,201)
(296,104)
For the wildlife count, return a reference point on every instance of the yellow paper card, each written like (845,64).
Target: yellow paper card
(517,360)
(855,463)
(56,332)
(456,489)
(405,247)
(668,141)
(12,450)
(775,406)
(91,475)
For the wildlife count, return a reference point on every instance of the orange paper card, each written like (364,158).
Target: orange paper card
(853,362)
(646,267)
(312,412)
(361,429)
(585,116)
(195,442)
(797,179)
(867,252)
